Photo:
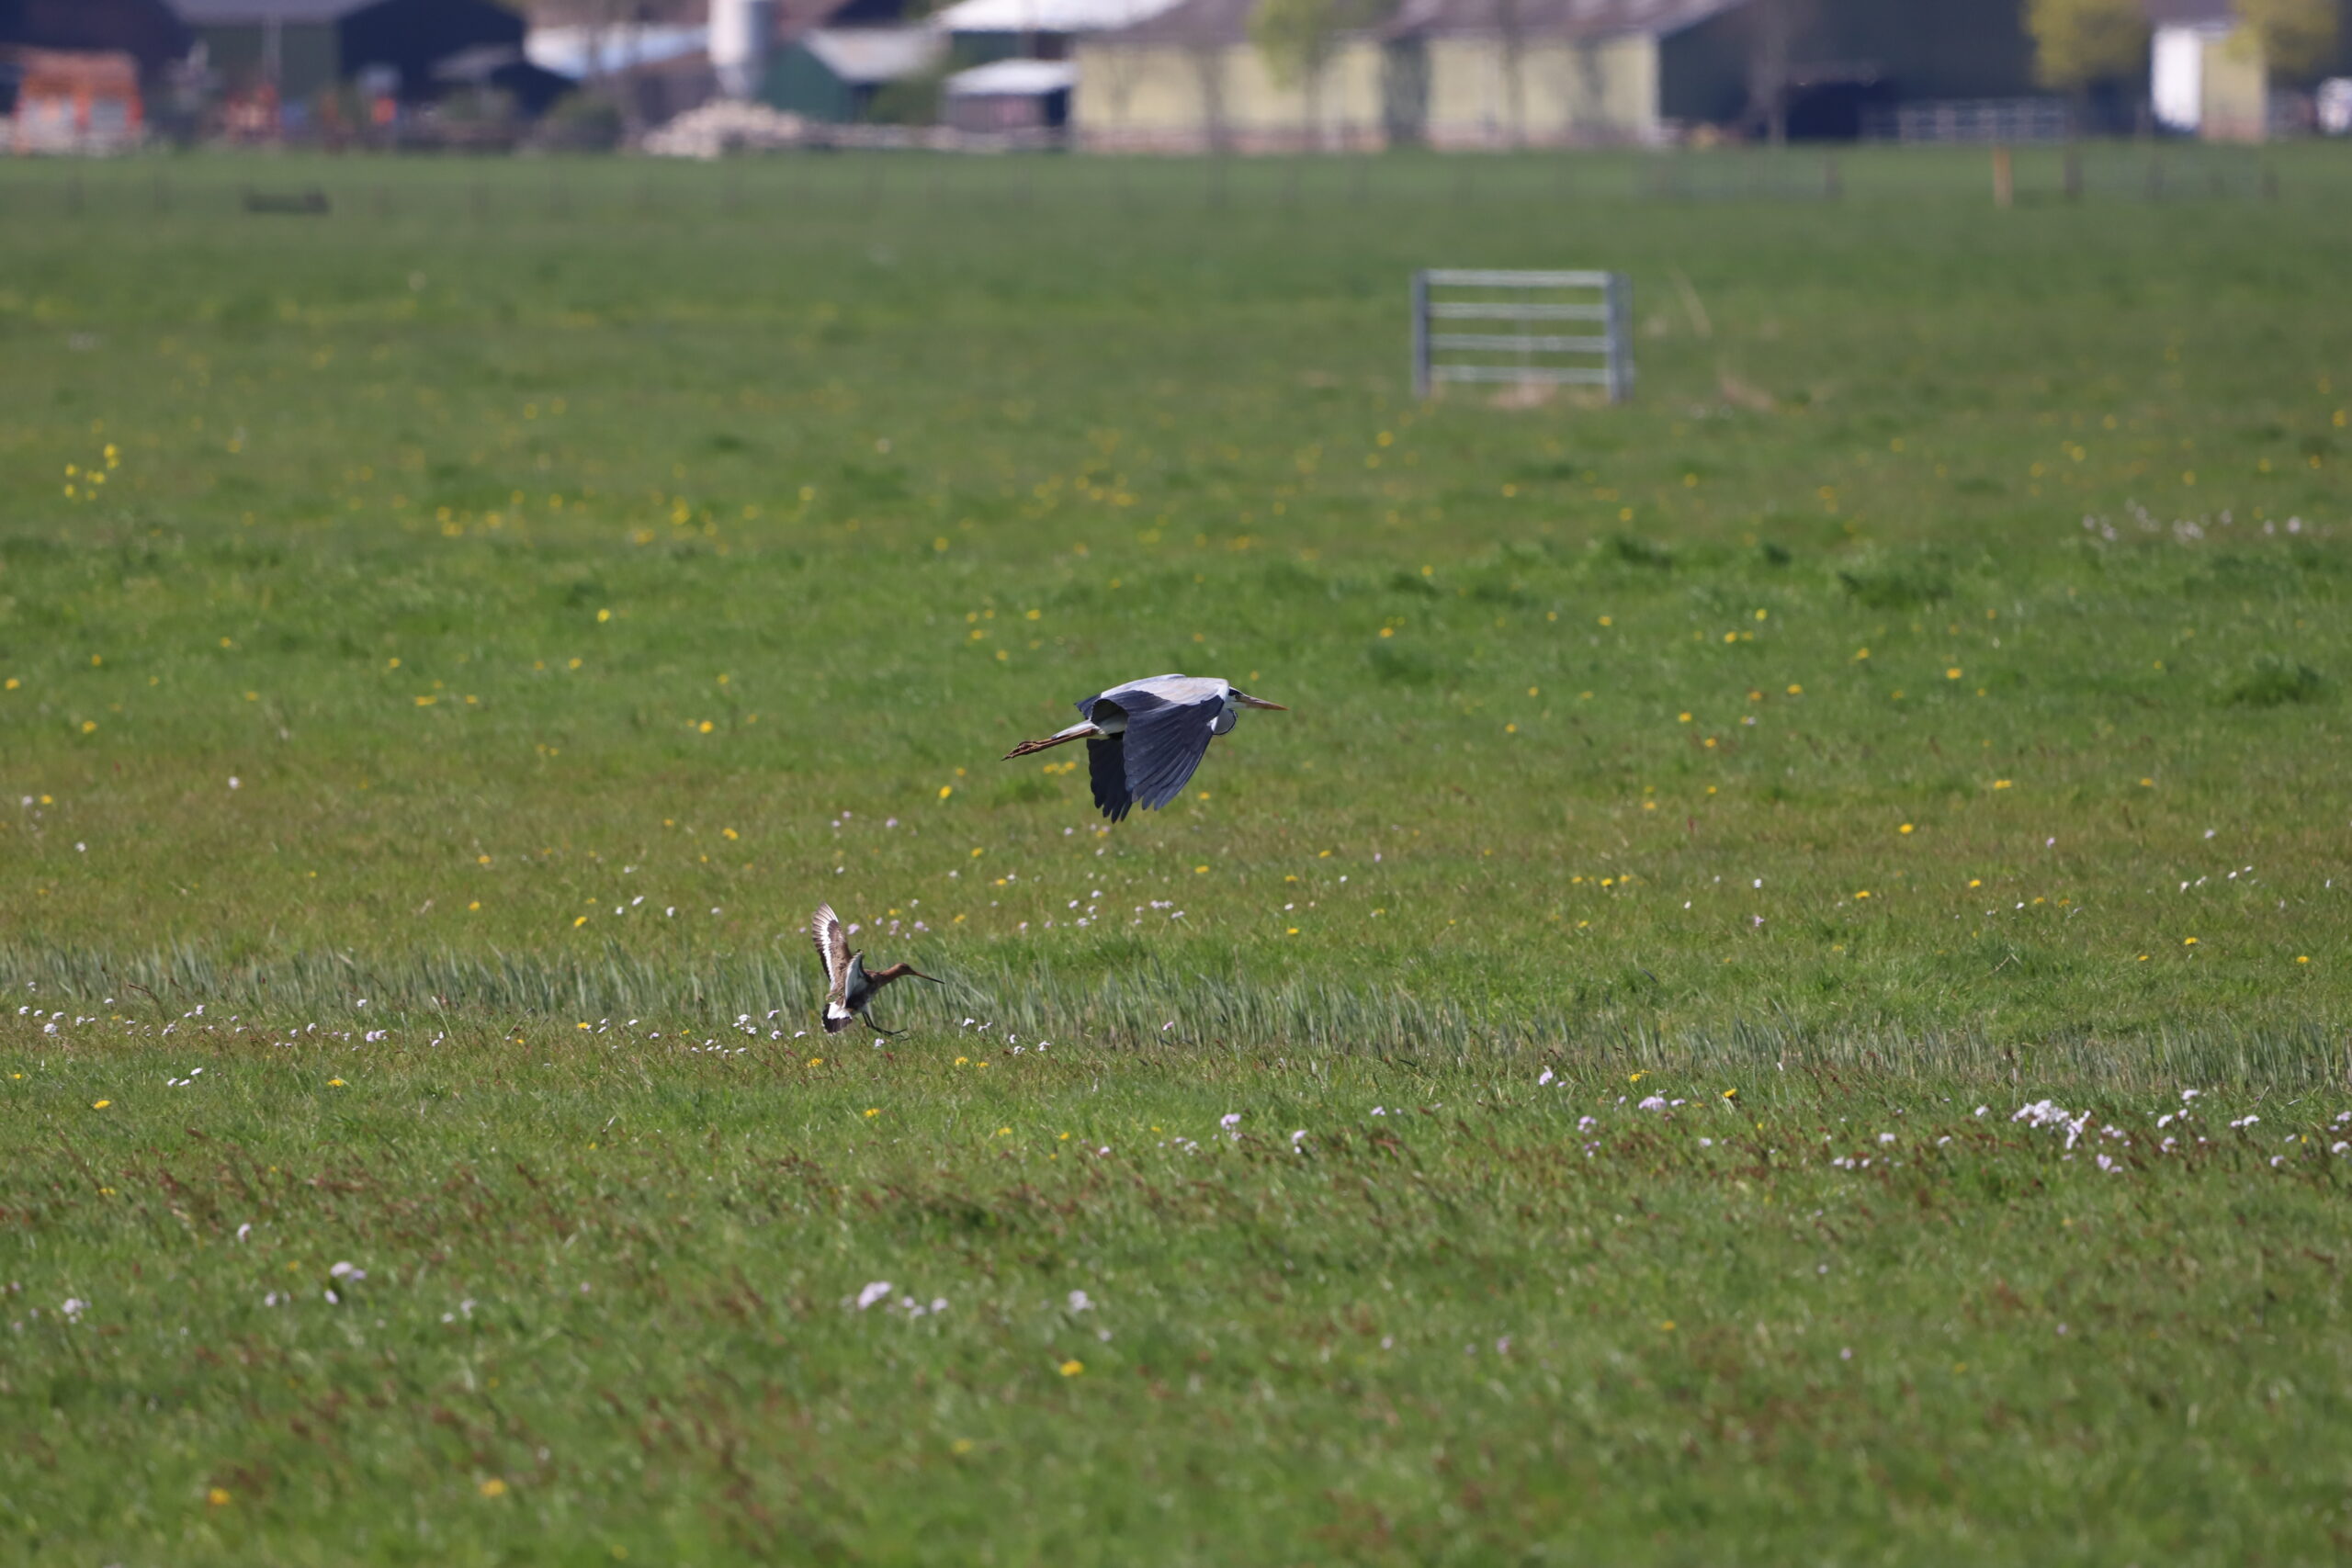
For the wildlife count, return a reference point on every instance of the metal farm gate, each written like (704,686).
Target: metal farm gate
(1540,347)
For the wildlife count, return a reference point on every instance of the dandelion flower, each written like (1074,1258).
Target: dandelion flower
(218,1496)
(100,1104)
(493,1487)
(1072,1367)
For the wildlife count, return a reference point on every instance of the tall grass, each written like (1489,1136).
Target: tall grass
(1151,1004)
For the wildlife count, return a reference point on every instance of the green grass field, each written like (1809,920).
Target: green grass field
(447,645)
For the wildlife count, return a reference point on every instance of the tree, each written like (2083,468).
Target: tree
(2079,42)
(1510,40)
(1772,28)
(1297,38)
(1197,35)
(2297,37)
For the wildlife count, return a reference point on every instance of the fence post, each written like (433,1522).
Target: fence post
(2073,173)
(2004,178)
(1420,337)
(1620,296)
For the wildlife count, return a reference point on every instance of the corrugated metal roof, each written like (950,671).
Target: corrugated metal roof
(1014,79)
(1194,24)
(573,49)
(1199,22)
(2189,13)
(236,13)
(1046,16)
(875,54)
(1553,18)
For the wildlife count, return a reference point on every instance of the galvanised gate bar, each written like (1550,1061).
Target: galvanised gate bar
(1534,349)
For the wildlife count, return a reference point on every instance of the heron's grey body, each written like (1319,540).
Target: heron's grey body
(851,987)
(1145,739)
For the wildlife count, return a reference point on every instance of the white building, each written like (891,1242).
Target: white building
(2206,73)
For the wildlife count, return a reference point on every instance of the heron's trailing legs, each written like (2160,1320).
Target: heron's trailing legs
(1087,731)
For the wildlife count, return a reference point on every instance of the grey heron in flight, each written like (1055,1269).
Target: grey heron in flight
(1145,739)
(853,985)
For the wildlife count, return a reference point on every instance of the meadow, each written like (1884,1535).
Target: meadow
(1561,1091)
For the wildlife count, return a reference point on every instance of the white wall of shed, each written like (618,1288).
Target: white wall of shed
(2176,76)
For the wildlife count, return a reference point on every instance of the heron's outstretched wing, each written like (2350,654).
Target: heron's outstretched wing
(1107,763)
(1165,744)
(833,946)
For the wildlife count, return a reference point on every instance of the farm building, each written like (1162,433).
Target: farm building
(1190,79)
(835,74)
(1545,72)
(983,31)
(149,31)
(2206,73)
(1011,97)
(1453,74)
(297,48)
(1815,67)
(78,101)
(1538,73)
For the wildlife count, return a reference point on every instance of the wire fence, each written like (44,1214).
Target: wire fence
(492,192)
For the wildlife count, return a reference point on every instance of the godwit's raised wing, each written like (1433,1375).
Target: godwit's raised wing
(833,946)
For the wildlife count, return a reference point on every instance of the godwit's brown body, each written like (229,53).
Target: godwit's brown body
(852,984)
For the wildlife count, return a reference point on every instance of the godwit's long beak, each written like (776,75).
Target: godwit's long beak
(1247,701)
(920,975)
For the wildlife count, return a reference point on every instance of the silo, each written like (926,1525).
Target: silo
(740,30)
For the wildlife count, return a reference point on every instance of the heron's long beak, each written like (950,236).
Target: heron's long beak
(1247,701)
